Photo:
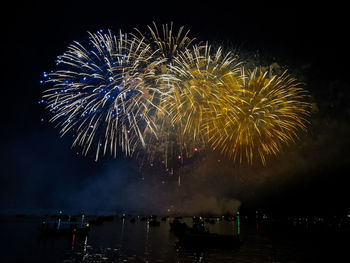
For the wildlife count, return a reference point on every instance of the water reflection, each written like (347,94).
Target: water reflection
(123,241)
(120,240)
(73,241)
(146,243)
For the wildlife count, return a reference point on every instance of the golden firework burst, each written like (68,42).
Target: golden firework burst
(192,81)
(258,115)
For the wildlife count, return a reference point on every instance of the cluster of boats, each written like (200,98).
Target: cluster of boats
(64,225)
(196,235)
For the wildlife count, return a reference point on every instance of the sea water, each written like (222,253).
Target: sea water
(123,241)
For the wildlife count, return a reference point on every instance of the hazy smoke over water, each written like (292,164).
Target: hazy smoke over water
(200,204)
(38,179)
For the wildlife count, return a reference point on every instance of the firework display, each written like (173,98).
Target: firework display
(193,79)
(161,94)
(259,113)
(101,92)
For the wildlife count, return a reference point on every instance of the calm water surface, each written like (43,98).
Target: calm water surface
(123,241)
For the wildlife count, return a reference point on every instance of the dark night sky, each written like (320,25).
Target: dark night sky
(40,172)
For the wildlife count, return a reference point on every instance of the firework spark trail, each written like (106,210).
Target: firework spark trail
(193,78)
(161,93)
(259,116)
(168,44)
(101,93)
(106,90)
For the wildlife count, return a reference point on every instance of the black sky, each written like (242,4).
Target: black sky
(41,172)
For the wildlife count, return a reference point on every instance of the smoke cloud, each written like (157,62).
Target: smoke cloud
(42,174)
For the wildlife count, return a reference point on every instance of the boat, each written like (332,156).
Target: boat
(177,226)
(198,236)
(210,221)
(154,222)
